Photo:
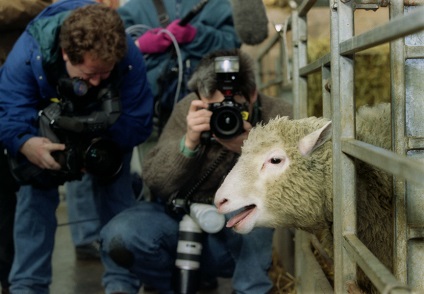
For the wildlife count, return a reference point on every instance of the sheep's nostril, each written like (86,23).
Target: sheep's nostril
(222,202)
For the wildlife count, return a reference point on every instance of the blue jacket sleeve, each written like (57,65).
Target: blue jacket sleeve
(19,96)
(134,125)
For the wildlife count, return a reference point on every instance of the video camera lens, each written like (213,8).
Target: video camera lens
(103,158)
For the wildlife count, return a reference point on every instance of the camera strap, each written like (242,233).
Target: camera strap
(162,13)
(180,201)
(202,179)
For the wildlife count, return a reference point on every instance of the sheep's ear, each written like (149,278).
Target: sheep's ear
(315,139)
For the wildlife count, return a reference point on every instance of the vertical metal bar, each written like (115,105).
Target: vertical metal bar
(303,60)
(307,270)
(407,113)
(287,74)
(342,73)
(398,133)
(326,96)
(337,188)
(299,29)
(414,113)
(279,68)
(299,257)
(313,279)
(295,50)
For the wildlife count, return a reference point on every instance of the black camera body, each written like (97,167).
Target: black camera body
(97,156)
(227,119)
(227,116)
(78,119)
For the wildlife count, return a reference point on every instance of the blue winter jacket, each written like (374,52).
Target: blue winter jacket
(24,83)
(215,31)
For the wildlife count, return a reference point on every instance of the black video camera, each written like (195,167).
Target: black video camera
(78,119)
(227,116)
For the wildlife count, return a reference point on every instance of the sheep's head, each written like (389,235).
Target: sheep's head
(281,178)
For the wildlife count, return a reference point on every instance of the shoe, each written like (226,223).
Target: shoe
(87,252)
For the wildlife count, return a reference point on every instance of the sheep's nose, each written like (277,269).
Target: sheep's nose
(220,203)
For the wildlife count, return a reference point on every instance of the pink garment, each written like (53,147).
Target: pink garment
(183,34)
(154,41)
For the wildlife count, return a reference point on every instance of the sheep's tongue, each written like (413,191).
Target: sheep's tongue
(237,218)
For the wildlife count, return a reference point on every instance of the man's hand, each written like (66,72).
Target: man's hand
(235,144)
(38,151)
(198,119)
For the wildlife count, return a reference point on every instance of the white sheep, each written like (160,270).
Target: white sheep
(283,178)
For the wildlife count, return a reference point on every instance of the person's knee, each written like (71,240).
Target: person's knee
(120,254)
(113,243)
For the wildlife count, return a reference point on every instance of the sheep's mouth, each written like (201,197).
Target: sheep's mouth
(241,216)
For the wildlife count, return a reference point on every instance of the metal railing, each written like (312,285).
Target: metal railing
(405,33)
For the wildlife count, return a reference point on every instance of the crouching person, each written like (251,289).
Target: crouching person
(198,147)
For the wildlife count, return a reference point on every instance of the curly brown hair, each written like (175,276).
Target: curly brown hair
(95,29)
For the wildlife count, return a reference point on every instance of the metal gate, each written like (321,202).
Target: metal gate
(405,33)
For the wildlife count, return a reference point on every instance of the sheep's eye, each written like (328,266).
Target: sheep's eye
(275,160)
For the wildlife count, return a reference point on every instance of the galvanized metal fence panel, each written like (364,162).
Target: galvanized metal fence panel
(405,33)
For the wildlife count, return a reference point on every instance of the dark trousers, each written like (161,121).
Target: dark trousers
(8,188)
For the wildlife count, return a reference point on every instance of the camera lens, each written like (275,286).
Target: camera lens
(226,122)
(103,158)
(189,251)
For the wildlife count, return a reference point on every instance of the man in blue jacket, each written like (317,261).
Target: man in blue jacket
(78,50)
